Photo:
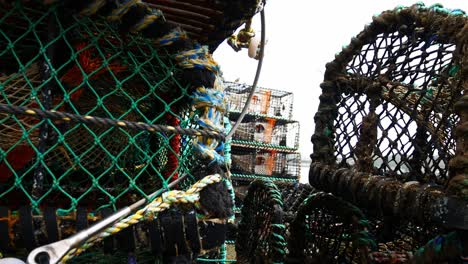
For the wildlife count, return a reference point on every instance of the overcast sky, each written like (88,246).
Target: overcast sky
(302,37)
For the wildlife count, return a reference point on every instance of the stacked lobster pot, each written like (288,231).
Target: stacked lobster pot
(265,145)
(107,104)
(389,167)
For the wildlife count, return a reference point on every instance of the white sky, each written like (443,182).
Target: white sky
(302,37)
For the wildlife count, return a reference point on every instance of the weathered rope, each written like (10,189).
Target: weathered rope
(210,102)
(173,154)
(198,58)
(228,143)
(266,178)
(100,121)
(165,201)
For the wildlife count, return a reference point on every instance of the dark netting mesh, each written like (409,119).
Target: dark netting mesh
(329,230)
(402,85)
(396,85)
(260,237)
(388,134)
(294,194)
(398,235)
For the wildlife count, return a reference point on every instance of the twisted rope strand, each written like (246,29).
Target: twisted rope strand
(160,204)
(100,121)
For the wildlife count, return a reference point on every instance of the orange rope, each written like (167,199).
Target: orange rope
(11,220)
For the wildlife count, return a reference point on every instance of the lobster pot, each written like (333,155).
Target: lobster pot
(401,125)
(266,163)
(95,99)
(267,102)
(86,69)
(245,131)
(263,132)
(390,129)
(272,132)
(243,162)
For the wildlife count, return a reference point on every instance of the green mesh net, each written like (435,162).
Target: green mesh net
(54,60)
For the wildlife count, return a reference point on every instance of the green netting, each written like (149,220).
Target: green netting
(54,60)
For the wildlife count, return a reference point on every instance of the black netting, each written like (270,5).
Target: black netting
(329,230)
(387,128)
(413,75)
(260,237)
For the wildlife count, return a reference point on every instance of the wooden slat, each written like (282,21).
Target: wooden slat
(190,28)
(178,12)
(195,36)
(208,4)
(208,11)
(194,23)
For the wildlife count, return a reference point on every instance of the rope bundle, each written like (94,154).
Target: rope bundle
(160,204)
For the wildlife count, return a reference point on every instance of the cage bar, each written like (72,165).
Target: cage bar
(267,102)
(270,163)
(269,132)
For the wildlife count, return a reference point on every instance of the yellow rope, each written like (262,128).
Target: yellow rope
(160,204)
(93,8)
(119,12)
(146,21)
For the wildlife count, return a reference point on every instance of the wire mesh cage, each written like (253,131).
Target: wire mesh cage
(398,235)
(269,163)
(95,73)
(294,194)
(99,108)
(240,189)
(265,102)
(269,132)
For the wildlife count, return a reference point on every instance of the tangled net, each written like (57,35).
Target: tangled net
(101,104)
